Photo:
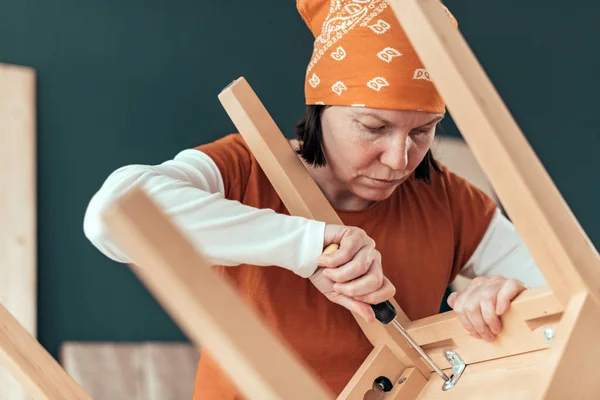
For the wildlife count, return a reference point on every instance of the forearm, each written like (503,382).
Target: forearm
(189,190)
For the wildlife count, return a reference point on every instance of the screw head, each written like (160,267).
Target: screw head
(549,334)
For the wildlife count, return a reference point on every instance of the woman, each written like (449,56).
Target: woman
(411,225)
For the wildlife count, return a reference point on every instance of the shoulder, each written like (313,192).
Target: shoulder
(234,161)
(227,148)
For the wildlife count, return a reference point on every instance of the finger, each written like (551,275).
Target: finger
(473,313)
(507,293)
(452,299)
(466,323)
(368,283)
(460,312)
(358,307)
(488,312)
(460,300)
(384,293)
(355,268)
(346,250)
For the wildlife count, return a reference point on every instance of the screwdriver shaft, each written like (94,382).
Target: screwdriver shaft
(420,351)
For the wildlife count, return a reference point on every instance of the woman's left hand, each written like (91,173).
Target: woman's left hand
(481,304)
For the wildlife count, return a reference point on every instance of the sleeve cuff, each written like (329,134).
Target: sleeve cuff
(311,247)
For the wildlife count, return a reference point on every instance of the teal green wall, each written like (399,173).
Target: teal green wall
(136,81)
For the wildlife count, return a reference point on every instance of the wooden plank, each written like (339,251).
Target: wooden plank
(380,362)
(523,324)
(409,386)
(136,371)
(38,372)
(18,205)
(505,378)
(206,306)
(551,232)
(571,371)
(105,370)
(170,370)
(301,195)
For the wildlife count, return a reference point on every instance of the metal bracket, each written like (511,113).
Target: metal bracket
(458,366)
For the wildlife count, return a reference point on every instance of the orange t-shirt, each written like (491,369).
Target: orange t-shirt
(424,232)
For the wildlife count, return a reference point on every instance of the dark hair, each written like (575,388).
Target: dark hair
(309,134)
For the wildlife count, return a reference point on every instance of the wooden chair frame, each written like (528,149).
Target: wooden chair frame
(548,347)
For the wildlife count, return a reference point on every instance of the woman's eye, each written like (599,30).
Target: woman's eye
(374,128)
(422,131)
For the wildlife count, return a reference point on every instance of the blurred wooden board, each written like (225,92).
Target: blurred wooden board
(17,205)
(132,371)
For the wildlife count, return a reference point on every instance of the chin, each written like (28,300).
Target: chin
(374,194)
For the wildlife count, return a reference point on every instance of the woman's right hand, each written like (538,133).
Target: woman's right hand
(352,275)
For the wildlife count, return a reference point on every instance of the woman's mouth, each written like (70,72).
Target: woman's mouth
(385,182)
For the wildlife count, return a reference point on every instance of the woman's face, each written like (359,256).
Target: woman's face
(372,151)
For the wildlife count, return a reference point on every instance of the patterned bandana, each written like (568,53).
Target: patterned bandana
(363,58)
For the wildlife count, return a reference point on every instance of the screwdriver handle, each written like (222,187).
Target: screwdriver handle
(384,312)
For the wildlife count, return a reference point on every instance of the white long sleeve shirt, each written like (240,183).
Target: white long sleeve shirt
(190,189)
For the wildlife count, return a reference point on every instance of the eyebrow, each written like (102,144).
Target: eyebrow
(370,114)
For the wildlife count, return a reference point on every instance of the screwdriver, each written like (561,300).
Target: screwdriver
(385,313)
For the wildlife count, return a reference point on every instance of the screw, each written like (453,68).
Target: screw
(549,334)
(402,381)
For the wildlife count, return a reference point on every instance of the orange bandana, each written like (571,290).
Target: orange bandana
(363,58)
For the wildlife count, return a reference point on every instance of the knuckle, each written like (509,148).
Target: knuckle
(478,280)
(488,296)
(359,232)
(471,308)
(377,256)
(513,283)
(352,240)
(364,266)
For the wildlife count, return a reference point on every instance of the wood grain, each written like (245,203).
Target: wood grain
(37,371)
(553,235)
(135,371)
(18,205)
(206,306)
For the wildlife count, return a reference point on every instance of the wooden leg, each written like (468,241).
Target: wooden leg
(18,247)
(575,353)
(38,372)
(207,307)
(381,362)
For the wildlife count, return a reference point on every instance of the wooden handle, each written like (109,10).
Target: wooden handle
(331,248)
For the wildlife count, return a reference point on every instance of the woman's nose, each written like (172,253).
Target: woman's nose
(395,154)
